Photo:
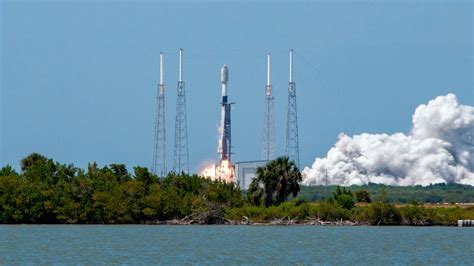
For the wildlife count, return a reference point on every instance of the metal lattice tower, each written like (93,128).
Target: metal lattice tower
(268,138)
(292,146)
(159,152)
(181,154)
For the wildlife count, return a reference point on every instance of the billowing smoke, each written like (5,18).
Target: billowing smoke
(439,149)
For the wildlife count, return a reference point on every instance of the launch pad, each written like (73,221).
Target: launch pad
(241,172)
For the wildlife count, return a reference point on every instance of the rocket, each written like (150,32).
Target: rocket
(224,145)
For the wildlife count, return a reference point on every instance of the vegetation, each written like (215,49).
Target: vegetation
(274,182)
(436,193)
(344,198)
(377,213)
(362,195)
(49,192)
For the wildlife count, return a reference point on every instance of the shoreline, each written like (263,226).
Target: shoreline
(286,222)
(234,223)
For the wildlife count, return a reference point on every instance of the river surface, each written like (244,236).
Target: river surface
(167,244)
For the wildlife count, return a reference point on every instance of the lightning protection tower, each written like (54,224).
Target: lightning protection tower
(292,146)
(268,138)
(159,152)
(181,155)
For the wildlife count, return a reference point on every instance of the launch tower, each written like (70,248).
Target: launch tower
(292,146)
(268,138)
(159,152)
(181,154)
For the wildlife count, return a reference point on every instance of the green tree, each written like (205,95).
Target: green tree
(255,194)
(279,178)
(33,159)
(36,167)
(142,174)
(363,195)
(120,172)
(344,198)
(8,171)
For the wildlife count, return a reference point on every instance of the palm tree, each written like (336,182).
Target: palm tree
(255,193)
(277,179)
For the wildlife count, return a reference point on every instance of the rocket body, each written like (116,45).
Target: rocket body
(224,146)
(224,170)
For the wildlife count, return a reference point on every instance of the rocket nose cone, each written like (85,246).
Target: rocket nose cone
(224,74)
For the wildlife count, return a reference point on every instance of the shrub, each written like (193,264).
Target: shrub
(382,213)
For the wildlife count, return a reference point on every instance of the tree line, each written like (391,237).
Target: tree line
(46,191)
(435,193)
(49,192)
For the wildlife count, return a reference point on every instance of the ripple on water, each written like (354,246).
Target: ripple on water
(92,244)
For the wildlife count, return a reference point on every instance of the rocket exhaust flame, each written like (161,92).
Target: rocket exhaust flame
(223,171)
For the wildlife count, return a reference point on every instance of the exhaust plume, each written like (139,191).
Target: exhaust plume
(439,149)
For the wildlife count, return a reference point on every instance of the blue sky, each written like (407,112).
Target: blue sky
(79,78)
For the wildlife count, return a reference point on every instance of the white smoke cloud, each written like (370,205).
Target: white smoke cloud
(440,149)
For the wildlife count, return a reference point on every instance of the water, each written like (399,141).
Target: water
(151,244)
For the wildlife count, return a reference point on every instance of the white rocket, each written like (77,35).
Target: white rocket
(224,145)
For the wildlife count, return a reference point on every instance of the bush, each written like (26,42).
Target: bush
(331,211)
(290,210)
(417,215)
(381,213)
(344,198)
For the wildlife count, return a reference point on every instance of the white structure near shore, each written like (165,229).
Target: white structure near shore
(465,223)
(245,172)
